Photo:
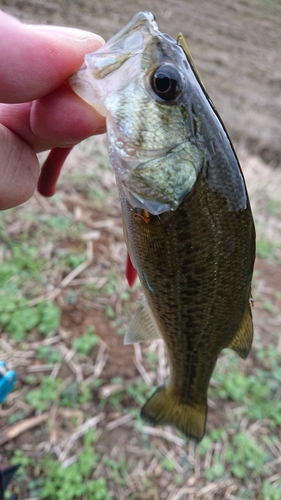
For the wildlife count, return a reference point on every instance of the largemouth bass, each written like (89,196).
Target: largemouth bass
(188,224)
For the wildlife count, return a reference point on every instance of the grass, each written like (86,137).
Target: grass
(66,483)
(87,341)
(64,305)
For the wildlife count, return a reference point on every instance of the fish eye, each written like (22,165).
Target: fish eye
(166,82)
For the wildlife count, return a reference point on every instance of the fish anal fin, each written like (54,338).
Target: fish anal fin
(243,339)
(142,326)
(163,408)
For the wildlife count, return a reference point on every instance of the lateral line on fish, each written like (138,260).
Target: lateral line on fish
(168,239)
(214,298)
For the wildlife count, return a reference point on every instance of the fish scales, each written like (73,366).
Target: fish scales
(203,292)
(187,218)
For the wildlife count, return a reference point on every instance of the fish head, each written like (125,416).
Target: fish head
(141,80)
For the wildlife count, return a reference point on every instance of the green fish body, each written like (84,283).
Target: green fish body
(187,219)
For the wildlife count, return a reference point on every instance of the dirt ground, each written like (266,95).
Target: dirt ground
(236,47)
(235,44)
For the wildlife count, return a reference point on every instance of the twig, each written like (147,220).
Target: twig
(55,371)
(22,426)
(6,346)
(40,368)
(53,428)
(99,282)
(79,269)
(69,461)
(139,365)
(81,430)
(162,371)
(107,390)
(99,365)
(164,434)
(119,421)
(47,341)
(67,358)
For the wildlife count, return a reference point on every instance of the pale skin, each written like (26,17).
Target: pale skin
(38,110)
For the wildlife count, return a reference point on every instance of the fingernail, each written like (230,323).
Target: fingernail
(72,33)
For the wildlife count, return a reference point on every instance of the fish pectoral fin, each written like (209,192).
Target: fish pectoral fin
(142,326)
(164,408)
(242,341)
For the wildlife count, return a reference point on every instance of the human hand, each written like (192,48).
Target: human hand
(38,109)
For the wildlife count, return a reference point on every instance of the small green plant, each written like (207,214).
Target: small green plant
(69,395)
(85,394)
(168,464)
(49,317)
(69,259)
(22,262)
(19,458)
(117,469)
(48,392)
(271,491)
(59,222)
(138,391)
(254,390)
(86,342)
(49,354)
(59,483)
(268,250)
(18,318)
(111,285)
(215,471)
(109,311)
(245,457)
(75,481)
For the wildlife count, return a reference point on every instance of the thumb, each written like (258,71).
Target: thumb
(19,169)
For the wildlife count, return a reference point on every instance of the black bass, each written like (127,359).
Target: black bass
(187,219)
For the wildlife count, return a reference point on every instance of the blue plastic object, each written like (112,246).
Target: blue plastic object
(7,381)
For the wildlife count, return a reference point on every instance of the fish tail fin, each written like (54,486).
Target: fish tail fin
(164,408)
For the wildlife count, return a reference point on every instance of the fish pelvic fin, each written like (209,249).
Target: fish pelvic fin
(243,339)
(164,408)
(142,325)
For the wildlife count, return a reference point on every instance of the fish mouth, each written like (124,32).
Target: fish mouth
(96,79)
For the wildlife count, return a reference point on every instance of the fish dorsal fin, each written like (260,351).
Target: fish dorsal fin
(182,42)
(142,325)
(243,339)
